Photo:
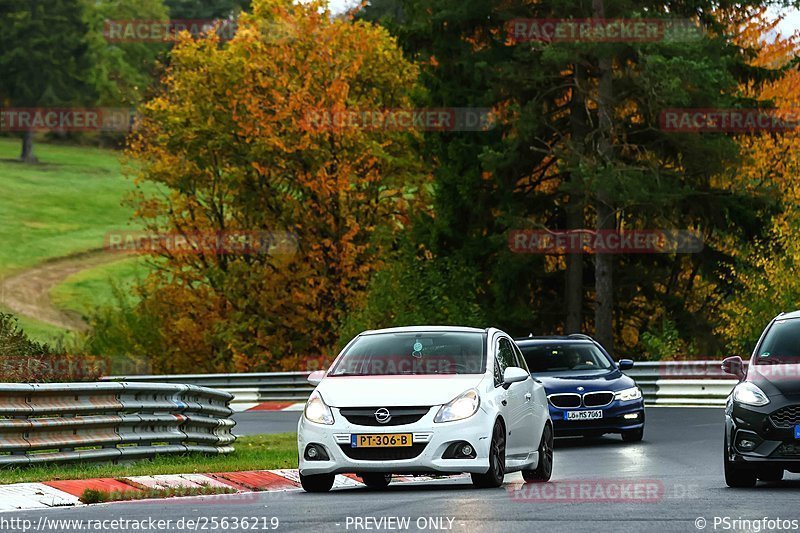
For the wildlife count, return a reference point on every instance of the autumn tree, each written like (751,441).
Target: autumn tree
(235,142)
(766,280)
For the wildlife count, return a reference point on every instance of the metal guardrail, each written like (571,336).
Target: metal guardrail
(246,388)
(690,383)
(77,422)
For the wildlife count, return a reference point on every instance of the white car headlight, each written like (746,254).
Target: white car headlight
(749,394)
(463,406)
(317,410)
(634,393)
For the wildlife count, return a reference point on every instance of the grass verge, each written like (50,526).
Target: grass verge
(102,496)
(258,452)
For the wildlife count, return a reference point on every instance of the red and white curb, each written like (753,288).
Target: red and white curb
(24,496)
(242,406)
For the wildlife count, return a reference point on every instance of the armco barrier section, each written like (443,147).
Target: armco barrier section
(247,389)
(689,383)
(76,422)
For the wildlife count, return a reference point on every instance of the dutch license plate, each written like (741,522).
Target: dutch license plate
(382,440)
(583,415)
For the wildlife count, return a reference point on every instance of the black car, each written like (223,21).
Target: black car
(587,392)
(762,415)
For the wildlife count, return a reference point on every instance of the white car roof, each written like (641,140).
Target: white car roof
(415,329)
(793,314)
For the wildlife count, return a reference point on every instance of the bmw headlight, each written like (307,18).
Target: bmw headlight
(749,394)
(317,410)
(634,393)
(463,406)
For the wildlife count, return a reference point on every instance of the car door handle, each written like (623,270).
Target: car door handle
(528,397)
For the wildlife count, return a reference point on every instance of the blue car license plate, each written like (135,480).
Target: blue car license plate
(797,432)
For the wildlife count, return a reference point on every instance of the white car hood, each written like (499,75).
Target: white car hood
(395,391)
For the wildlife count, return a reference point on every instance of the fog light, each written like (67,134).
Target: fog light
(460,450)
(315,452)
(631,416)
(746,445)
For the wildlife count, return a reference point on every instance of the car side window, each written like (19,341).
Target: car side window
(505,354)
(521,359)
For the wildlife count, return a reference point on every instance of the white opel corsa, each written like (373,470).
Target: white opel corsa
(423,400)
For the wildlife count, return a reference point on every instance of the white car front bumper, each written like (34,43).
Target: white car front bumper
(430,440)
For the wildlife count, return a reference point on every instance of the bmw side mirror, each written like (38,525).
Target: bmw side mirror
(315,377)
(625,364)
(514,374)
(734,366)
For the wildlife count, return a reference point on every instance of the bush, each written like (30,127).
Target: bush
(25,360)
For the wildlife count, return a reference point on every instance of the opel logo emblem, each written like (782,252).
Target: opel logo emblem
(383,415)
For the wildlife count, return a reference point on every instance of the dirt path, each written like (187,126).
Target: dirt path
(28,292)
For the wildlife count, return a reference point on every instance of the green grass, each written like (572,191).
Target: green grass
(62,206)
(89,289)
(259,452)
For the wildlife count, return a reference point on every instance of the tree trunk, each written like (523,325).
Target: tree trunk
(573,291)
(27,155)
(606,219)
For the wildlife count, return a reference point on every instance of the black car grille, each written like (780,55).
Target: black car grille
(786,417)
(565,401)
(365,416)
(787,450)
(383,454)
(597,399)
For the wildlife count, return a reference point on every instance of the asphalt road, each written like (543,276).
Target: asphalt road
(665,483)
(265,422)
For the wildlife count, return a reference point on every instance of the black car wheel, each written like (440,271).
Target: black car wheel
(376,480)
(317,483)
(544,469)
(737,476)
(633,435)
(497,461)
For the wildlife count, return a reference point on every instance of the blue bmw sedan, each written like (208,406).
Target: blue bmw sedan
(587,392)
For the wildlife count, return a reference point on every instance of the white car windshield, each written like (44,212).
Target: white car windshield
(417,353)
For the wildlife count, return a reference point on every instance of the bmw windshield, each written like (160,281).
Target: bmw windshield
(552,358)
(417,353)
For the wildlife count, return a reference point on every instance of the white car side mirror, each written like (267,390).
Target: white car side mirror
(514,374)
(315,377)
